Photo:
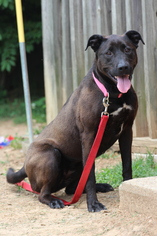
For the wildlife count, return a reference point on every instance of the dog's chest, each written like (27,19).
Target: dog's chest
(119,118)
(121,110)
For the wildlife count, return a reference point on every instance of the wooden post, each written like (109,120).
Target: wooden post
(106,23)
(66,52)
(118,16)
(57,50)
(49,60)
(79,46)
(85,32)
(73,44)
(134,7)
(150,65)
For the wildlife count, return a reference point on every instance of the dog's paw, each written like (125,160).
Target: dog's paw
(96,206)
(103,188)
(56,204)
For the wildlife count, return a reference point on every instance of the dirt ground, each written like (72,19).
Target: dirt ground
(22,214)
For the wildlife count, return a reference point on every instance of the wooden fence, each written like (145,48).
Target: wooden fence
(67,25)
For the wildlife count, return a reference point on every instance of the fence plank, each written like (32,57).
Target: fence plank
(118,16)
(73,44)
(139,83)
(49,61)
(98,17)
(91,27)
(150,65)
(85,30)
(66,52)
(106,21)
(80,46)
(57,50)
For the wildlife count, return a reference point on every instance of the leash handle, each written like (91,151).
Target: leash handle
(87,167)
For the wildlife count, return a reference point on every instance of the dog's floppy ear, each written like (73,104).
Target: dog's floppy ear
(134,36)
(94,41)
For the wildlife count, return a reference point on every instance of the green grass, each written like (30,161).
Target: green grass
(16,110)
(109,154)
(16,143)
(141,168)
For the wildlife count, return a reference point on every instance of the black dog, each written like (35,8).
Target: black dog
(56,159)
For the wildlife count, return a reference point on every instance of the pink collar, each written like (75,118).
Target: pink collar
(102,87)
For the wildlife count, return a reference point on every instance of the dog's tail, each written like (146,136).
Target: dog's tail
(15,177)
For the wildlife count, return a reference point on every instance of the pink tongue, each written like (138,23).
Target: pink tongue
(123,83)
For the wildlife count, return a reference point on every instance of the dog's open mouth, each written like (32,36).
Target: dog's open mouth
(123,82)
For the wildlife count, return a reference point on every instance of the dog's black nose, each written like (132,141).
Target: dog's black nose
(123,68)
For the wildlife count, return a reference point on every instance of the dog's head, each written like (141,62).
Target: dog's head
(116,57)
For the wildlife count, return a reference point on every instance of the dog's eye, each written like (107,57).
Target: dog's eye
(127,50)
(108,53)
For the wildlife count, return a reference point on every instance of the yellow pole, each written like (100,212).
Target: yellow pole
(22,47)
(19,17)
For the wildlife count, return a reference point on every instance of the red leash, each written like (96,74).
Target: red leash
(92,154)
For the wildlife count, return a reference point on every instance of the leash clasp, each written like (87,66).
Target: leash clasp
(106,104)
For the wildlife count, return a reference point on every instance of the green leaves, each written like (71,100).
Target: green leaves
(7,4)
(33,35)
(39,110)
(9,47)
(8,57)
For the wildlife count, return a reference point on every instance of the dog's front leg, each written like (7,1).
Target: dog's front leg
(125,143)
(92,202)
